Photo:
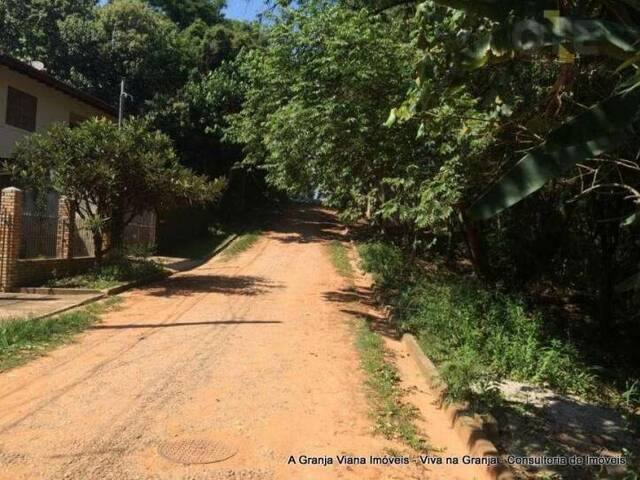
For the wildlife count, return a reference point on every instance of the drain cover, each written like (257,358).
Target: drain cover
(196,451)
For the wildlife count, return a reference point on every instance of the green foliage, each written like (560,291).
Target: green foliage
(497,35)
(394,418)
(110,274)
(29,29)
(340,259)
(477,336)
(185,12)
(95,47)
(207,46)
(109,174)
(195,119)
(125,39)
(24,339)
(317,97)
(386,262)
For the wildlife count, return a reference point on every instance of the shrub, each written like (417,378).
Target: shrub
(385,262)
(476,336)
(115,272)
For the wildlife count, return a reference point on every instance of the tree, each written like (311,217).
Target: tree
(29,28)
(196,119)
(185,12)
(581,37)
(317,98)
(208,46)
(126,39)
(109,175)
(94,47)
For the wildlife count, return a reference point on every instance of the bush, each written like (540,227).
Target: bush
(110,274)
(476,336)
(385,262)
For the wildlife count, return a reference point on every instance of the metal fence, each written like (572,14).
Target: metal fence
(138,233)
(47,236)
(83,245)
(39,236)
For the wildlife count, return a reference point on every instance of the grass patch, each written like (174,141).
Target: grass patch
(393,418)
(242,243)
(111,274)
(475,335)
(24,339)
(340,258)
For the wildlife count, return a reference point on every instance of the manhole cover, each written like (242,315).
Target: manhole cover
(196,451)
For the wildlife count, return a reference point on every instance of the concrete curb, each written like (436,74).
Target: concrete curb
(86,301)
(475,431)
(189,265)
(58,291)
(102,294)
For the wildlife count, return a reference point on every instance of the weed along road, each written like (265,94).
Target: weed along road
(243,368)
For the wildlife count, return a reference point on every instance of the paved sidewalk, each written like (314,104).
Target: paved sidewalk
(20,305)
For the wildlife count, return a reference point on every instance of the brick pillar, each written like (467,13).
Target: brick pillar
(10,237)
(66,229)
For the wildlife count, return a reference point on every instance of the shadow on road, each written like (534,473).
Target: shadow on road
(307,224)
(182,324)
(192,284)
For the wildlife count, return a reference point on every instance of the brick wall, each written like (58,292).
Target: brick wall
(32,266)
(36,271)
(10,228)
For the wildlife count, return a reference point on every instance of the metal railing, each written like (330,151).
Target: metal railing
(137,233)
(47,236)
(39,236)
(83,245)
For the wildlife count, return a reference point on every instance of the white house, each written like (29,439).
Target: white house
(31,100)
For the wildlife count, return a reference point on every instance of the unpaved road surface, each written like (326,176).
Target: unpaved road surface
(256,352)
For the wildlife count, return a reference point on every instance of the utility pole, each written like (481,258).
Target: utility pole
(123,96)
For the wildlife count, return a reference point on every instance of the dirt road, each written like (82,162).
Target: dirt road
(255,352)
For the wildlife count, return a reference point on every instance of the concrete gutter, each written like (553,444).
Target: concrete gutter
(477,432)
(86,301)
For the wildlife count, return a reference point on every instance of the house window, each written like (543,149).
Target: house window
(21,110)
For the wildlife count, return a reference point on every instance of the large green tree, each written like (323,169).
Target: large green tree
(318,95)
(185,12)
(125,40)
(109,174)
(317,100)
(29,29)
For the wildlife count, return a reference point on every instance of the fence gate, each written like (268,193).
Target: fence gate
(6,224)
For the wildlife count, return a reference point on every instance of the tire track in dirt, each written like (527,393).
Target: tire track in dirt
(152,330)
(87,347)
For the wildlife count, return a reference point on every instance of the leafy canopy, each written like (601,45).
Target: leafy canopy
(185,12)
(109,175)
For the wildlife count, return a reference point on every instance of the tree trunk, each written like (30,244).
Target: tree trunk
(98,245)
(473,239)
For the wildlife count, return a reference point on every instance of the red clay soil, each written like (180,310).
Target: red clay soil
(256,351)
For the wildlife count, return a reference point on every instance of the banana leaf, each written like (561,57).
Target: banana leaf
(582,36)
(630,284)
(594,132)
(497,9)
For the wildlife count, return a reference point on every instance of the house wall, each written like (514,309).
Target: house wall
(53,106)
